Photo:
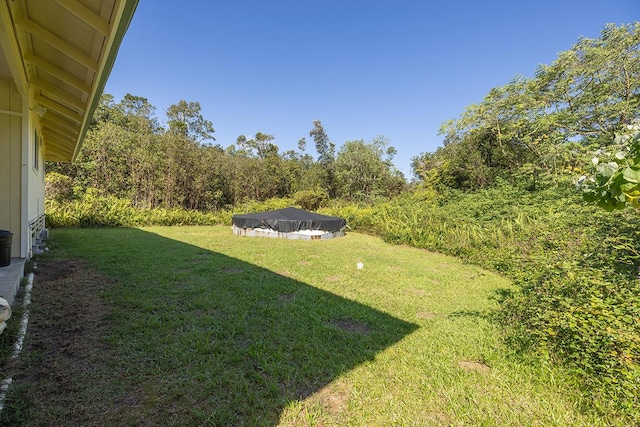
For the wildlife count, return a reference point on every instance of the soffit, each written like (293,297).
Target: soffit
(5,71)
(67,49)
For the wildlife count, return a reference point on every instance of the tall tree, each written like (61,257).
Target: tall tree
(185,119)
(326,156)
(138,114)
(302,145)
(261,145)
(593,90)
(586,95)
(364,171)
(325,148)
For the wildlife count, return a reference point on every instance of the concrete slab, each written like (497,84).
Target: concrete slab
(10,277)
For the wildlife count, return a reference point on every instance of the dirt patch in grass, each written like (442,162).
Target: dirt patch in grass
(334,278)
(65,354)
(328,406)
(471,365)
(426,315)
(333,398)
(286,297)
(352,326)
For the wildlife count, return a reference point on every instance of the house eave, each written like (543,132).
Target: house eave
(60,54)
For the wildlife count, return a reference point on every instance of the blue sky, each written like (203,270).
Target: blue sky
(364,68)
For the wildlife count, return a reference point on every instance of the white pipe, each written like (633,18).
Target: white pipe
(17,348)
(4,388)
(25,318)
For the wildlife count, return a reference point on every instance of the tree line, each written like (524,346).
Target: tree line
(530,132)
(128,154)
(536,129)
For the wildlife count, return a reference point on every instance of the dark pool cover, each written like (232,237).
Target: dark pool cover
(288,220)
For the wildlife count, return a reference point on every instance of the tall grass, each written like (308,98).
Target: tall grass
(95,210)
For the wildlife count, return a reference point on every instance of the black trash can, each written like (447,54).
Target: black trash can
(5,247)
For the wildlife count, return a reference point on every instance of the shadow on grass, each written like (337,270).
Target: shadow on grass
(201,338)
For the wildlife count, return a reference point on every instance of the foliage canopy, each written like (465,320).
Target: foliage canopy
(127,154)
(545,124)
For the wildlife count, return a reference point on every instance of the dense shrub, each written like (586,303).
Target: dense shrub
(94,210)
(260,206)
(58,187)
(311,199)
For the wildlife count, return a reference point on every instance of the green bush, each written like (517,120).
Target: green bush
(311,199)
(95,210)
(253,206)
(58,187)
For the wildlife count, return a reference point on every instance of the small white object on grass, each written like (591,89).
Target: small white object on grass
(360,265)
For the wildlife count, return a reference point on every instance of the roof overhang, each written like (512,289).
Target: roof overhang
(60,53)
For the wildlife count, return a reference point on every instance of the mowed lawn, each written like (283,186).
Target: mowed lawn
(196,326)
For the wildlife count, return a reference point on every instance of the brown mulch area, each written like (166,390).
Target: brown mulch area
(62,377)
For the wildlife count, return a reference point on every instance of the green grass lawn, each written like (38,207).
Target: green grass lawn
(202,327)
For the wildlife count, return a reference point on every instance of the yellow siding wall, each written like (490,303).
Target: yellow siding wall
(10,163)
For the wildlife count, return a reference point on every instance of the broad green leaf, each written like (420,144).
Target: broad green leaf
(589,196)
(629,188)
(632,174)
(607,169)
